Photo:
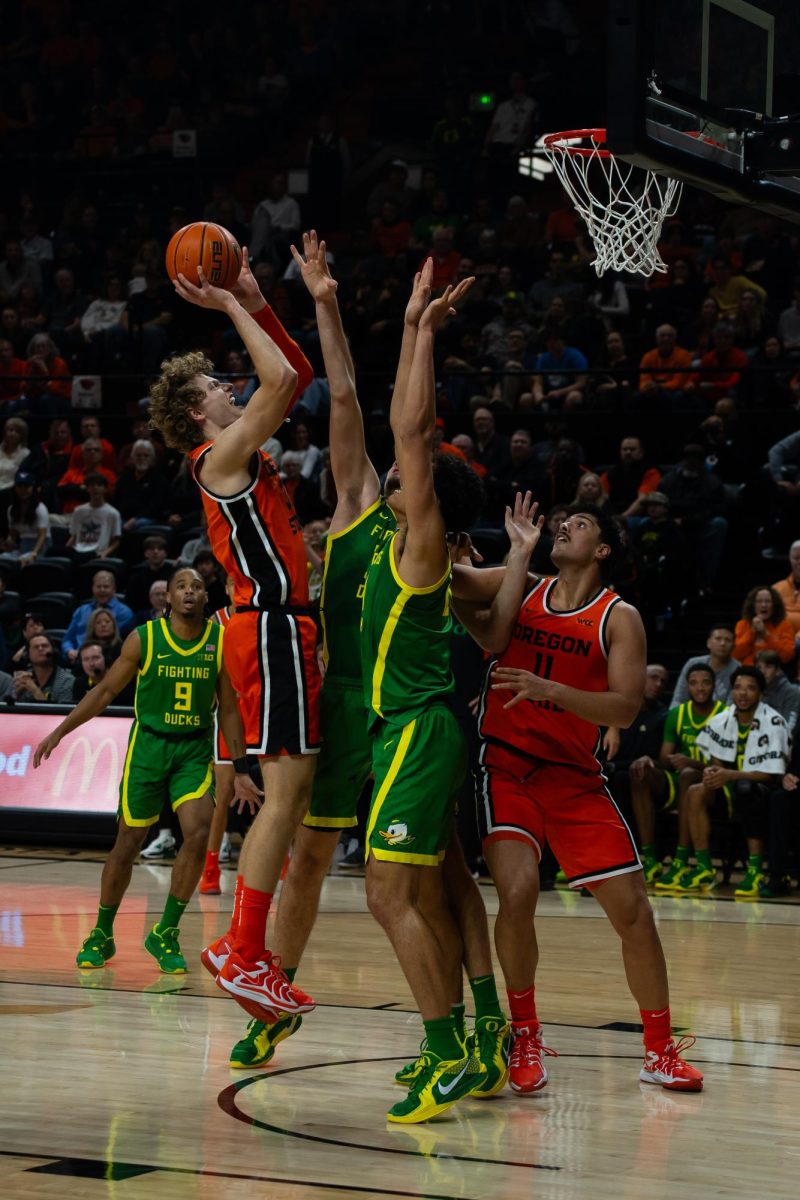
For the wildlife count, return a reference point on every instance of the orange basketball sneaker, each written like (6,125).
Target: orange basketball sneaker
(667,1068)
(261,988)
(526,1071)
(215,954)
(210,882)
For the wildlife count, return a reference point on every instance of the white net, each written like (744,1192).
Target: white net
(624,206)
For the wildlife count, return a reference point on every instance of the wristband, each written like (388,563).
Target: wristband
(241,765)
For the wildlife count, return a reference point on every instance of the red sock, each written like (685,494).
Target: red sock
(212,861)
(250,935)
(657,1028)
(237,905)
(523,1007)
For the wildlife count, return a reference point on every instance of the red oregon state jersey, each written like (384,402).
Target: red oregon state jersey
(256,536)
(567,647)
(222,616)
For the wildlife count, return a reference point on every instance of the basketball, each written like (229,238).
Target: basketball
(204,244)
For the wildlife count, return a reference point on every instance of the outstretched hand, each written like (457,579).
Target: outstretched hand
(246,794)
(314,268)
(523,526)
(204,296)
(439,310)
(45,748)
(246,289)
(420,294)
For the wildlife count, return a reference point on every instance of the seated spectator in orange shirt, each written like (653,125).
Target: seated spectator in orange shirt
(390,233)
(659,367)
(90,428)
(10,365)
(727,288)
(763,627)
(43,349)
(72,484)
(631,479)
(463,444)
(789,589)
(445,258)
(721,369)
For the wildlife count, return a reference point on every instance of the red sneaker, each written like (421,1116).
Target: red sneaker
(210,881)
(216,954)
(527,1072)
(669,1069)
(261,987)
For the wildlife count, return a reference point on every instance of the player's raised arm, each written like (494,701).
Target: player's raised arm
(357,483)
(98,698)
(418,302)
(424,553)
(277,378)
(495,625)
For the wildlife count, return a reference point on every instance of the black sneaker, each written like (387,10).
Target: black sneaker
(355,859)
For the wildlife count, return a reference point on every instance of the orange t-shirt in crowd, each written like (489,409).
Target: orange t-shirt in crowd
(657,369)
(779,636)
(789,592)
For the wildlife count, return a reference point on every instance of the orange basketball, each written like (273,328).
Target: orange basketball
(204,244)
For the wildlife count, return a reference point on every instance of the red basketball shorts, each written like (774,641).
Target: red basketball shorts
(561,804)
(271,658)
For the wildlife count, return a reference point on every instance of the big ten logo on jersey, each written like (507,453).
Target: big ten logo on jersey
(215,272)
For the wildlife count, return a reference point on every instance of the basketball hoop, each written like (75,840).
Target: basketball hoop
(624,206)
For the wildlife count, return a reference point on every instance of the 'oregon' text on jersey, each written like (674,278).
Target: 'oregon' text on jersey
(177,684)
(405,641)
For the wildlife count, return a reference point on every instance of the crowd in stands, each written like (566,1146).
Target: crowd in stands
(672,401)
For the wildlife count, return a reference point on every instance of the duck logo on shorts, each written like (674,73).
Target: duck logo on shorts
(397,834)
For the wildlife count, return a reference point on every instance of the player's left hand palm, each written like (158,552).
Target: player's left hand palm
(246,795)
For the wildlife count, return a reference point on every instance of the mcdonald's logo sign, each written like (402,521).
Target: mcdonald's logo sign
(92,756)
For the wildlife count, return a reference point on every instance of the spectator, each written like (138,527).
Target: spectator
(664,370)
(102,627)
(150,316)
(32,623)
(721,368)
(31,317)
(39,680)
(783,467)
(28,523)
(142,490)
(6,687)
(564,472)
(43,349)
(50,459)
(560,379)
(789,321)
(590,491)
(276,221)
(520,473)
(72,489)
(719,658)
(303,494)
(394,188)
(780,693)
(104,325)
(495,336)
(698,500)
(155,568)
(763,626)
(631,479)
(91,666)
(454,144)
(784,829)
(750,322)
(464,443)
(104,595)
(15,270)
(13,451)
(156,603)
(666,782)
(772,381)
(727,288)
(63,311)
(748,747)
(509,132)
(789,589)
(724,456)
(311,462)
(445,258)
(617,385)
(209,568)
(557,282)
(95,527)
(140,430)
(660,555)
(391,232)
(10,328)
(491,447)
(12,371)
(328,162)
(196,545)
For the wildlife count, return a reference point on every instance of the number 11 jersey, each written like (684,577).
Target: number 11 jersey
(568,647)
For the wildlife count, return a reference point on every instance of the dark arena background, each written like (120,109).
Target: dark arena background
(670,400)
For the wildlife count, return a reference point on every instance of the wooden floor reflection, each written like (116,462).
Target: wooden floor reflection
(116,1082)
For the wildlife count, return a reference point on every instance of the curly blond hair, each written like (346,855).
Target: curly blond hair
(173,395)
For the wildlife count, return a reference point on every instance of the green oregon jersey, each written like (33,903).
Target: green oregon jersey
(683,725)
(176,688)
(405,641)
(347,557)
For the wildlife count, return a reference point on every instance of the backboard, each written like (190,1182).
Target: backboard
(708,91)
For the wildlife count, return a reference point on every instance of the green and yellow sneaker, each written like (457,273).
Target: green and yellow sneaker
(96,950)
(561,879)
(165,950)
(407,1074)
(258,1044)
(441,1082)
(696,879)
(490,1043)
(652,869)
(753,884)
(671,875)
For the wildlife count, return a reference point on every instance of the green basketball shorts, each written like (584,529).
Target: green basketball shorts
(158,768)
(345,759)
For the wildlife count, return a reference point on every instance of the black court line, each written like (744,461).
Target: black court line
(393,1006)
(89,1168)
(227,1102)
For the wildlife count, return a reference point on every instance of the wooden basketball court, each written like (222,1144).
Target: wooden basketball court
(116,1084)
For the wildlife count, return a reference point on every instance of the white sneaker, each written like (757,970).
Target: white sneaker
(163,845)
(225,849)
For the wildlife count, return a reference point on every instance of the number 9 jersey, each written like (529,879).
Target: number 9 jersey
(176,689)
